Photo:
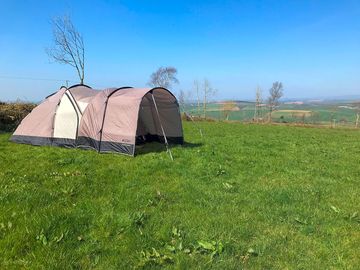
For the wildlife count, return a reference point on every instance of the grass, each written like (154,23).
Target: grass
(245,197)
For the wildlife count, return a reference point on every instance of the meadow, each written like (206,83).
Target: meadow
(309,113)
(243,196)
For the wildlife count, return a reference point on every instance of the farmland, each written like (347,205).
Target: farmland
(243,196)
(343,113)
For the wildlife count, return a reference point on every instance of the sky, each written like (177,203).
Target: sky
(311,46)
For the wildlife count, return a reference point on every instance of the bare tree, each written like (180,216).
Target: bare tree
(68,47)
(208,93)
(333,112)
(275,92)
(184,98)
(197,89)
(163,77)
(181,99)
(357,110)
(258,104)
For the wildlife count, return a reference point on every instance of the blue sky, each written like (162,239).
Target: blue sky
(312,46)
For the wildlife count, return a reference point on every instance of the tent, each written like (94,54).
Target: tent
(111,120)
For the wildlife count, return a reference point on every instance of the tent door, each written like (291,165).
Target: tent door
(66,119)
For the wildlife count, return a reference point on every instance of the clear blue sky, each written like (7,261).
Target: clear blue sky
(312,46)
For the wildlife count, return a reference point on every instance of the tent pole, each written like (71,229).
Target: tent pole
(192,119)
(162,129)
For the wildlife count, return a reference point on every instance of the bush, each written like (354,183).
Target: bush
(11,114)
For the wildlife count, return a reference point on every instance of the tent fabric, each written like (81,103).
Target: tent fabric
(111,120)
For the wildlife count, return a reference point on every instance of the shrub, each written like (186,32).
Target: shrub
(11,114)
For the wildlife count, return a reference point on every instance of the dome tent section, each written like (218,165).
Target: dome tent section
(69,113)
(159,116)
(55,120)
(118,119)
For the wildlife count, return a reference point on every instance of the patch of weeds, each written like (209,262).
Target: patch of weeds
(176,243)
(139,219)
(353,217)
(57,239)
(65,174)
(176,232)
(249,253)
(120,233)
(42,238)
(7,226)
(158,198)
(335,209)
(153,257)
(80,238)
(66,161)
(69,191)
(214,248)
(229,186)
(220,171)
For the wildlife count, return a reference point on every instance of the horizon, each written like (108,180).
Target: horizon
(312,48)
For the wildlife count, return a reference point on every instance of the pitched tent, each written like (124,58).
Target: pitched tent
(112,120)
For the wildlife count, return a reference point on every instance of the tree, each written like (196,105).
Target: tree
(68,47)
(163,77)
(357,110)
(258,104)
(197,89)
(275,92)
(333,112)
(183,99)
(208,93)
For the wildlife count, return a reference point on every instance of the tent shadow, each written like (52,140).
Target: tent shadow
(156,147)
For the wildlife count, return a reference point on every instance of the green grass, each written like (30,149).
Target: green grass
(274,197)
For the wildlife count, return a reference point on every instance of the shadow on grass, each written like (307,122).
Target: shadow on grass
(156,147)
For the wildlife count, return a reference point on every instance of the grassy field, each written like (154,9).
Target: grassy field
(244,197)
(321,114)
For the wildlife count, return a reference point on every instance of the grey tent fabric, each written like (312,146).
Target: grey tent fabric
(111,120)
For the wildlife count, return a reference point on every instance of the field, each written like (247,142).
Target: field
(343,112)
(243,197)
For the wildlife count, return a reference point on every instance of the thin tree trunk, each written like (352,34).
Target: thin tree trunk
(198,98)
(205,104)
(270,115)
(357,120)
(255,112)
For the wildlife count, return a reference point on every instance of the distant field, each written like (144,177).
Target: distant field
(243,197)
(322,114)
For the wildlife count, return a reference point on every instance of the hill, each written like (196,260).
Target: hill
(245,196)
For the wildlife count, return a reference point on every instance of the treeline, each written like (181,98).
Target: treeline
(202,93)
(12,113)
